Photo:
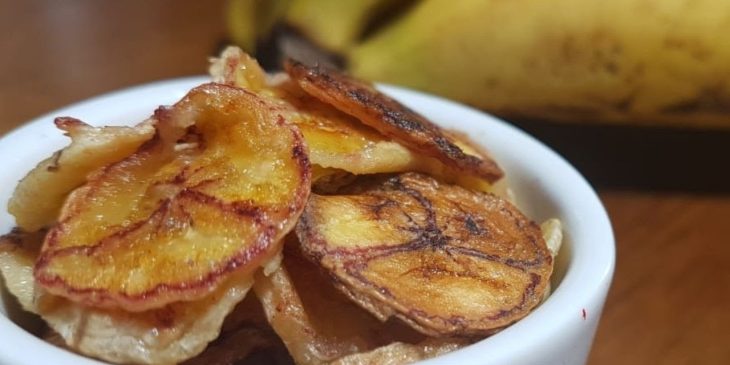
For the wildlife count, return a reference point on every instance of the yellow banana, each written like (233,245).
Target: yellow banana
(625,60)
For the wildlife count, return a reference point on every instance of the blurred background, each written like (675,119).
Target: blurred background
(634,93)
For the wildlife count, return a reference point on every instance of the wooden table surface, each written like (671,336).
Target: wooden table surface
(670,300)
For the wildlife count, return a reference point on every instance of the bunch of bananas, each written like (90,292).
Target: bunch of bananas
(637,61)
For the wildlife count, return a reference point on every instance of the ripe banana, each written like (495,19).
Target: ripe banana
(636,61)
(625,60)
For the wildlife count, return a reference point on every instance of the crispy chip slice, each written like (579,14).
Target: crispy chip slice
(38,198)
(389,117)
(317,323)
(444,259)
(336,140)
(165,335)
(287,316)
(222,181)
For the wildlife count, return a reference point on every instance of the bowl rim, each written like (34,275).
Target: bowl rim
(584,284)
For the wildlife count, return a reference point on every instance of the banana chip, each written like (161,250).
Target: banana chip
(224,178)
(165,335)
(335,139)
(140,244)
(317,323)
(445,260)
(389,117)
(38,198)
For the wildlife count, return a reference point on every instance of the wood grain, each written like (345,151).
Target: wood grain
(58,52)
(670,301)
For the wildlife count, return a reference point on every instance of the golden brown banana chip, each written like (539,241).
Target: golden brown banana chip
(389,117)
(335,139)
(444,259)
(218,186)
(38,198)
(331,312)
(318,323)
(164,335)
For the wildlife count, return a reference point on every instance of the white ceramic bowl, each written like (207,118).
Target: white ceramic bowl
(560,331)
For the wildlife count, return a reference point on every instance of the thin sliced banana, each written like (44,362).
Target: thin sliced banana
(222,181)
(389,117)
(155,239)
(165,335)
(336,140)
(38,198)
(446,260)
(316,322)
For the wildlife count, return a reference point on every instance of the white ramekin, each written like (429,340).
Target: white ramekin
(560,331)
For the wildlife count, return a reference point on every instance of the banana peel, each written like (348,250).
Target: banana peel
(650,62)
(619,61)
